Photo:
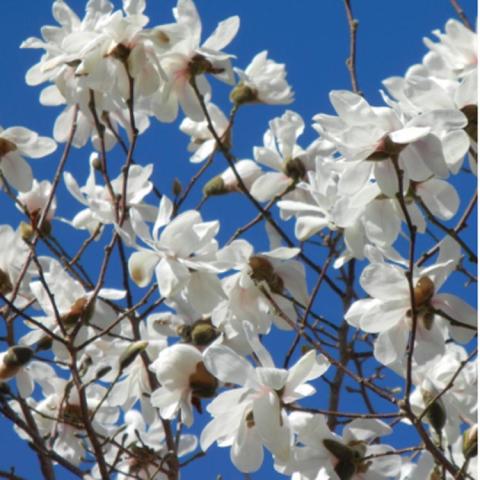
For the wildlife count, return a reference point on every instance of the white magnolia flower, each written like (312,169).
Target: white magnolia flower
(361,217)
(202,143)
(327,456)
(146,448)
(252,416)
(187,60)
(183,256)
(275,271)
(282,154)
(262,81)
(83,59)
(185,381)
(59,417)
(369,137)
(35,201)
(458,404)
(102,208)
(455,52)
(72,304)
(15,143)
(126,366)
(388,311)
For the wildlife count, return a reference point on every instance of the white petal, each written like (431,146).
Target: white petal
(226,365)
(440,197)
(409,134)
(141,266)
(17,171)
(385,282)
(269,185)
(247,450)
(165,212)
(386,177)
(223,34)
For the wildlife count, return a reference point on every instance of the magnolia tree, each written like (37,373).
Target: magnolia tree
(142,343)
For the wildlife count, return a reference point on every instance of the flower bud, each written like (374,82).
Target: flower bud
(215,186)
(71,414)
(14,359)
(82,309)
(435,411)
(45,343)
(26,231)
(95,161)
(203,333)
(242,94)
(102,372)
(176,187)
(202,382)
(130,353)
(470,442)
(423,291)
(262,269)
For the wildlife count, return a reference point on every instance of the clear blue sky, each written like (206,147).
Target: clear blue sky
(310,36)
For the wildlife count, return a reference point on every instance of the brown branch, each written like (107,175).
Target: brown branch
(352,59)
(461,14)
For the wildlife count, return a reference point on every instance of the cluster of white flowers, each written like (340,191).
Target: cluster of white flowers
(111,376)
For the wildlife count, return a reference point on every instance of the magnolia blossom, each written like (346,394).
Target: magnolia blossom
(83,60)
(455,51)
(458,404)
(202,142)
(326,455)
(102,209)
(59,417)
(262,81)
(126,367)
(147,448)
(187,60)
(369,137)
(275,271)
(74,309)
(363,217)
(388,311)
(183,255)
(36,199)
(281,153)
(15,143)
(252,416)
(184,379)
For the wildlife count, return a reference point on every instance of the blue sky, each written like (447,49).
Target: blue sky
(309,36)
